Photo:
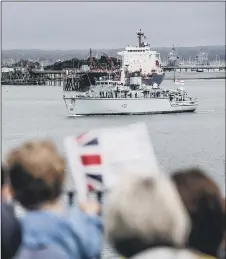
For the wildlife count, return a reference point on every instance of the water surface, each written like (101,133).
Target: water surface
(180,140)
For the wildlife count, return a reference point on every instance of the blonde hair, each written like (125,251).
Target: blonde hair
(37,163)
(142,212)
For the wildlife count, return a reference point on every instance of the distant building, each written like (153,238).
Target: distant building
(7,69)
(85,68)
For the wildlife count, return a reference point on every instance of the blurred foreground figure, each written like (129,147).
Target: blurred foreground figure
(145,218)
(10,226)
(203,201)
(222,252)
(37,175)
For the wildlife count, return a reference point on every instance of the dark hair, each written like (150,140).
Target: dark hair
(203,200)
(36,173)
(32,192)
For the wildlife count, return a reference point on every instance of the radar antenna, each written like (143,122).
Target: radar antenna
(140,34)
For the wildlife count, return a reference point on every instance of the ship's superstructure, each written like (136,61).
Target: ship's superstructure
(173,59)
(141,58)
(202,58)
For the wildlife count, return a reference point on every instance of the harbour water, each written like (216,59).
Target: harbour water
(179,140)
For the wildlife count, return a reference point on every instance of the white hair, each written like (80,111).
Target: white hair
(146,209)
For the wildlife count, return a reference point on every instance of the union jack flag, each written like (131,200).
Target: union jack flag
(91,160)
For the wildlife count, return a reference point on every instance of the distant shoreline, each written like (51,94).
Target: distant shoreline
(45,54)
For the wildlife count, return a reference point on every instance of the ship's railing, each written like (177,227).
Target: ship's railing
(78,71)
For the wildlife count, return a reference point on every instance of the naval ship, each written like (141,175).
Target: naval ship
(129,95)
(201,59)
(173,58)
(133,58)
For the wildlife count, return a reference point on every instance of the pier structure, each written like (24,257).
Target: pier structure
(30,77)
(21,77)
(186,68)
(53,77)
(78,76)
(196,68)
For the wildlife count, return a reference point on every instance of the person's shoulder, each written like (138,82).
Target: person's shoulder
(7,209)
(10,230)
(9,219)
(46,252)
(77,217)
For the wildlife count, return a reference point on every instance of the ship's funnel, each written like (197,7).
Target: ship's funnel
(135,78)
(122,77)
(155,86)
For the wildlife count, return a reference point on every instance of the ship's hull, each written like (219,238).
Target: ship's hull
(155,79)
(123,106)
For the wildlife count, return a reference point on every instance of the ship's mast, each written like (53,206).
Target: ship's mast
(90,60)
(139,35)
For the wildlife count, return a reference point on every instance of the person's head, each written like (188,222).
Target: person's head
(36,173)
(203,201)
(2,177)
(5,190)
(144,212)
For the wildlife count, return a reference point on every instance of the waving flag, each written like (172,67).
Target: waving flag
(98,158)
(90,159)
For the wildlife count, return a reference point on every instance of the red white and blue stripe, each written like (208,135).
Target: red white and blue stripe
(91,160)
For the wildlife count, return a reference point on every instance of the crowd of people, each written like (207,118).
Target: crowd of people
(176,216)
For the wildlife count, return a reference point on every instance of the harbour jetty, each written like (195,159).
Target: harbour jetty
(54,77)
(81,73)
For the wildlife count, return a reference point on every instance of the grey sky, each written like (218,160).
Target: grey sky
(68,25)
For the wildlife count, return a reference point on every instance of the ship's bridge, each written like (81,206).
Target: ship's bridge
(136,50)
(140,58)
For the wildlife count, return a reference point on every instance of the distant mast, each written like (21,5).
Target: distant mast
(110,61)
(90,60)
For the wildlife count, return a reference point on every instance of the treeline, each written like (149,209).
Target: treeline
(27,64)
(53,55)
(102,63)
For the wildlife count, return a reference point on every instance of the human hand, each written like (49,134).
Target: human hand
(90,207)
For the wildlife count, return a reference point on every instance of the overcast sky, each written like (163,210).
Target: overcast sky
(110,25)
